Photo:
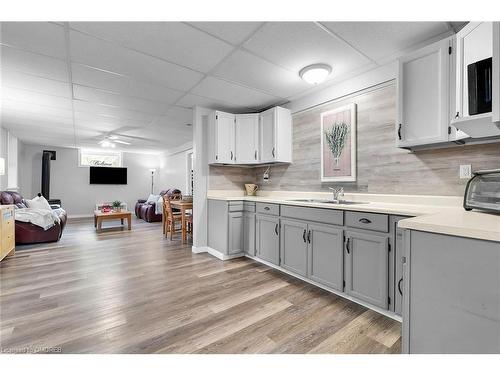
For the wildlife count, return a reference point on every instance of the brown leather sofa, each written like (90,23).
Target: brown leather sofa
(27,233)
(147,211)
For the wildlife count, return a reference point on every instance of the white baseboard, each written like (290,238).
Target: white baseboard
(215,253)
(199,249)
(80,217)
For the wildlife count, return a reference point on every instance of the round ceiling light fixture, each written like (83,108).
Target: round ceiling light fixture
(315,73)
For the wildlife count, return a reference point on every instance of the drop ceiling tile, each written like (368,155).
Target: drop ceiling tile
(90,94)
(166,140)
(172,41)
(32,63)
(92,120)
(382,39)
(191,100)
(109,56)
(36,123)
(40,37)
(228,92)
(31,97)
(111,111)
(96,78)
(295,45)
(30,82)
(34,109)
(252,71)
(232,32)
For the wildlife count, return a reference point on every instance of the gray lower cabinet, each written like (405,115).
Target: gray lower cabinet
(267,240)
(326,255)
(225,226)
(293,246)
(235,237)
(249,233)
(452,296)
(366,267)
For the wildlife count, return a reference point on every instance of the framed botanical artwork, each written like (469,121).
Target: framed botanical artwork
(338,144)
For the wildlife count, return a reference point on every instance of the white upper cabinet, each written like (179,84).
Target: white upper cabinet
(253,138)
(222,138)
(496,72)
(276,136)
(474,43)
(423,95)
(247,138)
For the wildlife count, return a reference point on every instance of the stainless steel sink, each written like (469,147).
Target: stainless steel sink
(328,201)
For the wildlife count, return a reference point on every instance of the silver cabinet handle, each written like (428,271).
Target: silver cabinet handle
(231,155)
(365,221)
(266,208)
(255,155)
(347,246)
(399,286)
(304,235)
(272,152)
(276,229)
(309,236)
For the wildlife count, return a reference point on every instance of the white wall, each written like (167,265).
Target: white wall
(10,149)
(70,183)
(174,169)
(3,154)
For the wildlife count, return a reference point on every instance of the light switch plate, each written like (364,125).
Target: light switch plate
(465,171)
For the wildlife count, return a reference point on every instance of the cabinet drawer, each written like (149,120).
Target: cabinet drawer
(249,206)
(365,220)
(268,208)
(321,215)
(235,206)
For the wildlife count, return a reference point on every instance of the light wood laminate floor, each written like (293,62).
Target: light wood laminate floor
(138,292)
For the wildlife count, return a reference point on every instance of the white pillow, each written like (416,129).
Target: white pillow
(152,198)
(38,202)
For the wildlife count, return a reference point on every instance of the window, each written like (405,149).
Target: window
(92,158)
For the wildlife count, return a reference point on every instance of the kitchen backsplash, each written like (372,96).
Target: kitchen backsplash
(382,168)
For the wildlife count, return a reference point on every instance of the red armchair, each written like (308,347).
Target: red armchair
(147,211)
(27,233)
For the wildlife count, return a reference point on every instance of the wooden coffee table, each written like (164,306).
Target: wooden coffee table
(99,217)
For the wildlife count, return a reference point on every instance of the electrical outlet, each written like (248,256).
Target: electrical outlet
(465,171)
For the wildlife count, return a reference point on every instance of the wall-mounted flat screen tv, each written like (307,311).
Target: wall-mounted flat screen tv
(108,175)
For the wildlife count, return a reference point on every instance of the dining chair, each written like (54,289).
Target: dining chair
(171,218)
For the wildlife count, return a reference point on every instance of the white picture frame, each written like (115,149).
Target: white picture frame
(341,175)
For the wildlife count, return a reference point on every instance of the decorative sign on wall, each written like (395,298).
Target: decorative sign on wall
(338,144)
(100,159)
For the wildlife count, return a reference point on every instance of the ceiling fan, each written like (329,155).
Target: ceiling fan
(111,141)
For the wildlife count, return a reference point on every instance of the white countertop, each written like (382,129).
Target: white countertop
(457,222)
(435,214)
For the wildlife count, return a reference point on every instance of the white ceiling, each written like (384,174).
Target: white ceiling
(70,84)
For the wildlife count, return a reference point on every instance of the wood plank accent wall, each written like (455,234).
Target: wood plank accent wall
(382,168)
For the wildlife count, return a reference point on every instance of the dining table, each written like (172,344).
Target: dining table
(183,206)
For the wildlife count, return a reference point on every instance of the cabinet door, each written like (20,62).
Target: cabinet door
(267,238)
(225,138)
(474,43)
(366,267)
(267,135)
(423,95)
(247,138)
(293,246)
(496,73)
(249,233)
(235,237)
(326,255)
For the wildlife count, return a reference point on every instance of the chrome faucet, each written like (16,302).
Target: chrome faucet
(338,193)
